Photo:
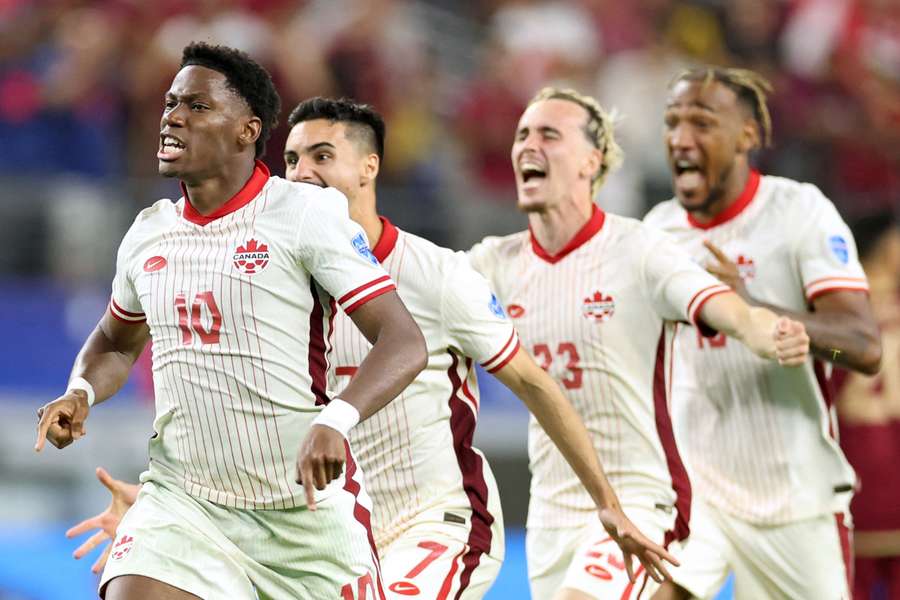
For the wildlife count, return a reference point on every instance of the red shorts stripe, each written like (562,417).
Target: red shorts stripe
(844,535)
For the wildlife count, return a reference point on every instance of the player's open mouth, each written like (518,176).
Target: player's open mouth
(170,147)
(531,173)
(688,175)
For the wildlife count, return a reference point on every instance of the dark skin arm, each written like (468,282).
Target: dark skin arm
(398,354)
(841,326)
(105,360)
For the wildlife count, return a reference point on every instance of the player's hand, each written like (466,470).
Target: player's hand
(634,543)
(123,496)
(62,421)
(726,270)
(320,460)
(791,342)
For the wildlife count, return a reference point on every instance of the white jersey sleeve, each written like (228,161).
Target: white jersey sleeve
(826,252)
(678,286)
(336,253)
(124,304)
(474,317)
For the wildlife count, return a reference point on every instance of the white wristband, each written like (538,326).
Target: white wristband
(80,383)
(339,415)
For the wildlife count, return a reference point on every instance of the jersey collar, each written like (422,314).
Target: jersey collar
(589,230)
(736,207)
(387,241)
(247,193)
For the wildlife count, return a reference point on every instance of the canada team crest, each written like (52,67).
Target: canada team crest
(251,258)
(746,268)
(598,307)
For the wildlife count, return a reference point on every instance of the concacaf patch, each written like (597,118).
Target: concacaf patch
(362,248)
(496,307)
(839,248)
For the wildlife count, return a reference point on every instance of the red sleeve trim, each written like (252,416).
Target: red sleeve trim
(504,355)
(828,290)
(700,324)
(362,288)
(506,360)
(367,298)
(125,316)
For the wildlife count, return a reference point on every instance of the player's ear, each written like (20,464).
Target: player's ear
(370,168)
(251,128)
(592,164)
(748,138)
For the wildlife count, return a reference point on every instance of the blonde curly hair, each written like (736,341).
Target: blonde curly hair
(599,129)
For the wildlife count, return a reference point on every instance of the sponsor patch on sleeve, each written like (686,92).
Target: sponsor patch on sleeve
(839,247)
(362,248)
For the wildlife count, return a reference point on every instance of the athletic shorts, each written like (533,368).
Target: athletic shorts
(588,560)
(432,560)
(809,559)
(217,553)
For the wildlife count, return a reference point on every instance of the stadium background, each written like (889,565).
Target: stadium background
(81,86)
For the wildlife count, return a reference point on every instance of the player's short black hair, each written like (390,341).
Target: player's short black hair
(868,231)
(245,77)
(363,118)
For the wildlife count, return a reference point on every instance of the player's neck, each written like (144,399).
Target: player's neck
(207,195)
(366,215)
(732,192)
(555,227)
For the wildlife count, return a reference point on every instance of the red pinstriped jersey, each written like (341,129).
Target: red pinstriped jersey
(599,316)
(239,305)
(417,451)
(757,437)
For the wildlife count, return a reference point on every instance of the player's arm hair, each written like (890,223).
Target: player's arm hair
(541,394)
(398,354)
(108,354)
(842,329)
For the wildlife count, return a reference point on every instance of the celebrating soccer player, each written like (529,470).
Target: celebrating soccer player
(598,298)
(772,486)
(234,284)
(437,520)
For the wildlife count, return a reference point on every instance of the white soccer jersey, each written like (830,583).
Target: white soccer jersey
(417,451)
(239,306)
(599,316)
(757,436)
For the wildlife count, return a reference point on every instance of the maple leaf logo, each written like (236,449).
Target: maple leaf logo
(598,307)
(252,257)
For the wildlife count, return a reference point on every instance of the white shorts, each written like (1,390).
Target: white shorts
(588,560)
(432,560)
(807,560)
(216,552)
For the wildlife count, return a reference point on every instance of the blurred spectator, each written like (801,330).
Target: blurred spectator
(869,417)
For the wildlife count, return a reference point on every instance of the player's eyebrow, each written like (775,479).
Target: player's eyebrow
(692,104)
(542,129)
(320,145)
(185,97)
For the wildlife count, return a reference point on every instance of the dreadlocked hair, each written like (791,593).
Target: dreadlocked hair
(599,129)
(752,90)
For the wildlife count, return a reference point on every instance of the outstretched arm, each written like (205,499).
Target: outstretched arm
(842,327)
(559,419)
(398,354)
(104,361)
(761,330)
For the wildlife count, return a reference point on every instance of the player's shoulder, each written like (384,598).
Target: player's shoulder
(667,214)
(432,259)
(792,197)
(500,245)
(159,215)
(627,232)
(306,196)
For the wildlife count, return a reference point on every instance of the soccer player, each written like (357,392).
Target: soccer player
(235,283)
(772,486)
(598,298)
(436,521)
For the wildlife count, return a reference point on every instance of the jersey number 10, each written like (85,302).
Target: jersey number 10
(192,326)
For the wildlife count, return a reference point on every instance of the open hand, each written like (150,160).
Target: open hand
(320,460)
(634,543)
(123,496)
(62,421)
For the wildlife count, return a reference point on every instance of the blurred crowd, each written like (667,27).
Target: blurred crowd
(82,81)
